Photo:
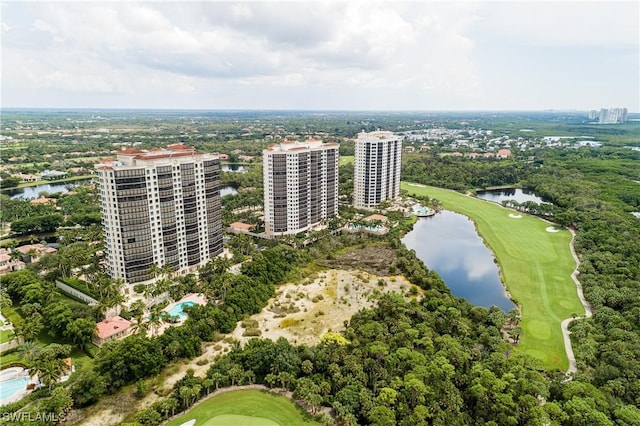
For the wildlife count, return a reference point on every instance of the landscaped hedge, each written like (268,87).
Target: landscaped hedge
(80,286)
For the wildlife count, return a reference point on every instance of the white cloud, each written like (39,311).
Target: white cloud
(375,54)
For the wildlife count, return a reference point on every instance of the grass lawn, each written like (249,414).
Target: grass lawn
(347,159)
(44,338)
(13,316)
(536,266)
(5,335)
(10,358)
(246,407)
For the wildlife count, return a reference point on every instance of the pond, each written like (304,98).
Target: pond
(449,244)
(237,168)
(228,190)
(500,195)
(34,191)
(30,192)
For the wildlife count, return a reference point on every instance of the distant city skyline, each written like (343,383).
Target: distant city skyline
(303,55)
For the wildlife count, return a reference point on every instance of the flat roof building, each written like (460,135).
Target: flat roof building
(300,185)
(159,206)
(377,168)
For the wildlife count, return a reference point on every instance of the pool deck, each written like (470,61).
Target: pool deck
(14,373)
(196,298)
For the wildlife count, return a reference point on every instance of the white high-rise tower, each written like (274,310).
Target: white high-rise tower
(377,168)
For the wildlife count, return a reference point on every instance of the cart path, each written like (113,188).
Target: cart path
(587,309)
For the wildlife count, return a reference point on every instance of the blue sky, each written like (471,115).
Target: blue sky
(373,55)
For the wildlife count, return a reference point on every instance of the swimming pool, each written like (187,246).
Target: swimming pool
(11,386)
(9,371)
(177,311)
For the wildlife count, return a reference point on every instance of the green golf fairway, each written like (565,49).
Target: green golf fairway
(236,420)
(535,264)
(246,407)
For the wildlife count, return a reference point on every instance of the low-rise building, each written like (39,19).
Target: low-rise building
(112,328)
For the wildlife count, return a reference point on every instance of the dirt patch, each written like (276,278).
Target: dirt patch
(378,260)
(302,313)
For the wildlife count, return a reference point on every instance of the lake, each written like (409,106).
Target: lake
(30,192)
(228,190)
(237,168)
(449,244)
(500,195)
(34,191)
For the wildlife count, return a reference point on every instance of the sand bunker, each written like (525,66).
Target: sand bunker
(419,185)
(515,216)
(552,229)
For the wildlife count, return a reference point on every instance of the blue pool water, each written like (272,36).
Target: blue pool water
(11,386)
(177,311)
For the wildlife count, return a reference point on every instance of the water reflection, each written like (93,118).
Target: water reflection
(30,192)
(238,168)
(228,190)
(448,243)
(500,195)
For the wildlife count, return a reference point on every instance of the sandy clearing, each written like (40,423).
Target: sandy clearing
(303,312)
(344,292)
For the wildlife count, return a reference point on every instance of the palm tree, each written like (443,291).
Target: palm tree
(155,319)
(29,351)
(171,404)
(49,371)
(185,395)
(160,287)
(155,270)
(217,378)
(207,383)
(138,325)
(148,292)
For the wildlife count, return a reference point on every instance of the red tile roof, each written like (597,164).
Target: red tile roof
(111,326)
(241,225)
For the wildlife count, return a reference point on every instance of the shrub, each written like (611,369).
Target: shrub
(252,332)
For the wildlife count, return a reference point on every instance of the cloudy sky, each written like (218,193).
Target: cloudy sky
(336,55)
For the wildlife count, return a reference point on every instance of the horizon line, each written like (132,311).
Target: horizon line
(12,108)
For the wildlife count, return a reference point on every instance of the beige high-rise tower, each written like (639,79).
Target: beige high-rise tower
(300,185)
(159,206)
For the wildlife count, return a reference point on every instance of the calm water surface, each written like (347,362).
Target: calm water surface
(500,195)
(238,168)
(448,243)
(228,190)
(34,191)
(51,188)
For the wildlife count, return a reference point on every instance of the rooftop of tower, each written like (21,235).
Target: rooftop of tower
(377,135)
(138,157)
(309,144)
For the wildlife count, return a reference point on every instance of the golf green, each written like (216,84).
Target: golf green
(246,407)
(236,420)
(536,265)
